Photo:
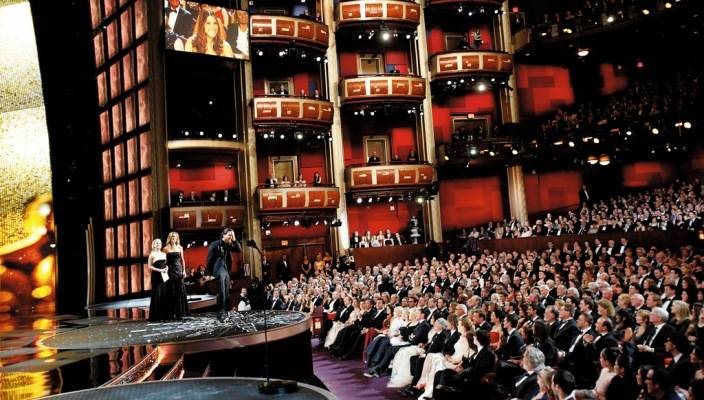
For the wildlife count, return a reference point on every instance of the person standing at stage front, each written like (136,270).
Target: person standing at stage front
(218,265)
(159,270)
(175,300)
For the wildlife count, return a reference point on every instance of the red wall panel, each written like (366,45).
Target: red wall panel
(402,138)
(296,232)
(436,38)
(697,161)
(198,255)
(378,216)
(614,78)
(310,163)
(543,88)
(552,190)
(647,174)
(348,64)
(202,179)
(477,103)
(470,201)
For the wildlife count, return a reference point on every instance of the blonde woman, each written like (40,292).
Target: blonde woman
(176,302)
(681,317)
(157,265)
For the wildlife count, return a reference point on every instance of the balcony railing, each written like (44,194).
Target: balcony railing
(382,88)
(270,110)
(280,29)
(391,175)
(298,199)
(206,217)
(494,3)
(467,62)
(389,11)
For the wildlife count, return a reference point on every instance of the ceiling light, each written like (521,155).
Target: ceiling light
(296,222)
(596,140)
(668,5)
(655,131)
(359,200)
(604,160)
(514,152)
(481,87)
(369,200)
(282,136)
(299,136)
(492,153)
(385,36)
(558,143)
(629,133)
(260,53)
(592,160)
(646,11)
(610,19)
(447,158)
(570,143)
(687,125)
(583,52)
(266,136)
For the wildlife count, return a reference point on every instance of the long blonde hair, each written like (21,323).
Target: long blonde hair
(176,242)
(680,309)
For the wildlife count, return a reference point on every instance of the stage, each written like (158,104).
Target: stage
(195,302)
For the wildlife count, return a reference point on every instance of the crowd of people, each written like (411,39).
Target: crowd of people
(544,324)
(285,182)
(658,103)
(679,205)
(227,196)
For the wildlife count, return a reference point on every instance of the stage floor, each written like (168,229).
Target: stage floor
(194,389)
(195,302)
(242,329)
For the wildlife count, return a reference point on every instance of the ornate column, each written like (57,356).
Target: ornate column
(517,192)
(249,163)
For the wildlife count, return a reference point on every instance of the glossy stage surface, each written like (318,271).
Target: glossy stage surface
(201,332)
(193,389)
(194,302)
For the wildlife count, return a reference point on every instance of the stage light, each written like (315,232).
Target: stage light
(201,133)
(567,31)
(234,136)
(210,102)
(372,113)
(481,87)
(592,160)
(369,200)
(219,135)
(285,223)
(604,160)
(282,136)
(359,200)
(655,131)
(646,11)
(570,143)
(266,136)
(460,9)
(496,11)
(318,59)
(420,200)
(449,83)
(296,223)
(687,125)
(492,153)
(319,137)
(378,199)
(558,143)
(629,133)
(391,198)
(596,140)
(178,165)
(470,13)
(205,243)
(304,55)
(514,152)
(186,133)
(610,19)
(493,79)
(668,5)
(260,53)
(473,151)
(385,36)
(408,36)
(299,136)
(583,52)
(447,158)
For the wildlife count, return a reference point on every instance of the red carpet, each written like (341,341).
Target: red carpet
(345,380)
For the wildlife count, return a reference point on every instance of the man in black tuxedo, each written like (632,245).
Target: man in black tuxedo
(526,386)
(566,329)
(283,268)
(653,349)
(218,264)
(469,380)
(374,159)
(681,370)
(514,342)
(179,20)
(579,357)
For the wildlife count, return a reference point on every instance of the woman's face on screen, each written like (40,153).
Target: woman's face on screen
(211,26)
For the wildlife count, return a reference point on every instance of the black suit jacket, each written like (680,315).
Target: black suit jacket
(344,315)
(276,304)
(682,371)
(377,322)
(512,348)
(527,389)
(419,333)
(219,255)
(565,334)
(438,342)
(477,366)
(449,347)
(184,22)
(606,341)
(658,343)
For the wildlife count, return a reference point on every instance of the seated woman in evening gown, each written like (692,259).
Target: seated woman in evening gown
(175,301)
(157,265)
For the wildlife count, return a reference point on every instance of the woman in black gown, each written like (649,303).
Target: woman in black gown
(175,300)
(157,265)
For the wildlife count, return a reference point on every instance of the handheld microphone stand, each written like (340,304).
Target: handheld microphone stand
(276,386)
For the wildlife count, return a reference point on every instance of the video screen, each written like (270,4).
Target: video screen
(195,27)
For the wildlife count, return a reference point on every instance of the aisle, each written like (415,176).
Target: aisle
(345,380)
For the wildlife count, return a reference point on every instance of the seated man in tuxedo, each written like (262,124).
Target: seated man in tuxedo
(526,387)
(372,319)
(274,302)
(374,159)
(652,351)
(467,378)
(681,370)
(514,341)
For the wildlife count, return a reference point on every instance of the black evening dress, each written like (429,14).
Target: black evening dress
(176,304)
(156,306)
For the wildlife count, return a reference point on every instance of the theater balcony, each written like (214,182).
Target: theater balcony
(382,88)
(470,64)
(291,112)
(307,200)
(395,179)
(281,30)
(202,217)
(364,14)
(470,7)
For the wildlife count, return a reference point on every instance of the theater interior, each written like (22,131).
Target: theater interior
(533,166)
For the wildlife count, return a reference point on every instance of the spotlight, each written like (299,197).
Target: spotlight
(558,143)
(210,102)
(596,140)
(282,136)
(186,133)
(408,36)
(260,53)
(296,223)
(391,198)
(668,5)
(359,200)
(201,133)
(369,200)
(646,11)
(299,136)
(481,87)
(234,136)
(266,136)
(492,153)
(470,13)
(372,113)
(514,152)
(570,143)
(496,11)
(282,53)
(687,125)
(219,135)
(655,131)
(385,36)
(604,160)
(583,52)
(304,55)
(178,165)
(473,151)
(318,59)
(610,19)
(420,200)
(567,31)
(447,158)
(629,133)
